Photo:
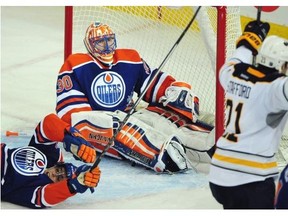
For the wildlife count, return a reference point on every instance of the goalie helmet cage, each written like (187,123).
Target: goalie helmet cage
(153,30)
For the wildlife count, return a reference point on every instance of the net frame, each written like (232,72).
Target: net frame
(220,49)
(221,52)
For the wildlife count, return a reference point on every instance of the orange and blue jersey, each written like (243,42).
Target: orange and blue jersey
(23,181)
(84,84)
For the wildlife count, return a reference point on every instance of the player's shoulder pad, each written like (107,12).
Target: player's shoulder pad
(75,59)
(253,74)
(79,58)
(129,55)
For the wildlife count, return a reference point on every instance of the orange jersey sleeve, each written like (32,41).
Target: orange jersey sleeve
(52,194)
(51,128)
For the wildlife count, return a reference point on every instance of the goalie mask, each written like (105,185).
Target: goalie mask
(100,41)
(179,97)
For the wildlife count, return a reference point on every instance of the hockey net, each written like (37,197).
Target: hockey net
(153,30)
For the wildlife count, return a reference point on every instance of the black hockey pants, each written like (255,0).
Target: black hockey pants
(255,195)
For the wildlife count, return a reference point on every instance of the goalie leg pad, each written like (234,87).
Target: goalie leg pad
(158,118)
(97,128)
(198,138)
(197,142)
(139,142)
(145,145)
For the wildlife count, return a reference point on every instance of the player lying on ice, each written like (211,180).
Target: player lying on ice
(95,89)
(35,176)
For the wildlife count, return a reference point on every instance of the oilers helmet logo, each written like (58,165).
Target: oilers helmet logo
(108,89)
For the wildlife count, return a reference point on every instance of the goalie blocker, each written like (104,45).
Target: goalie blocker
(147,138)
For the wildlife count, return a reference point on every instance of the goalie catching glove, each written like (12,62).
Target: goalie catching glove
(179,97)
(75,143)
(254,34)
(85,178)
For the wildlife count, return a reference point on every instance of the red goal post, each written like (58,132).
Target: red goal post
(218,28)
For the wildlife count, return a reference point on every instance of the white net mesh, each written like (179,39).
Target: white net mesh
(153,30)
(282,155)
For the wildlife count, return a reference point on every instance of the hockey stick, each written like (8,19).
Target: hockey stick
(259,9)
(111,141)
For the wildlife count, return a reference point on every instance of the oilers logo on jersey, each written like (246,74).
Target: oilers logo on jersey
(108,89)
(28,161)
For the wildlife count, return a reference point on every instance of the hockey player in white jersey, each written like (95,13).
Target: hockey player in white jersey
(243,167)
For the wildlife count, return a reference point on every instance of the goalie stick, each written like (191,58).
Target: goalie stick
(111,141)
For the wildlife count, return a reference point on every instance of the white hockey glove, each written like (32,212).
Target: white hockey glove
(181,99)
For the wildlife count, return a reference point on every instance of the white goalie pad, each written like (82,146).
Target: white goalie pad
(140,137)
(197,144)
(196,139)
(140,142)
(143,136)
(97,128)
(162,124)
